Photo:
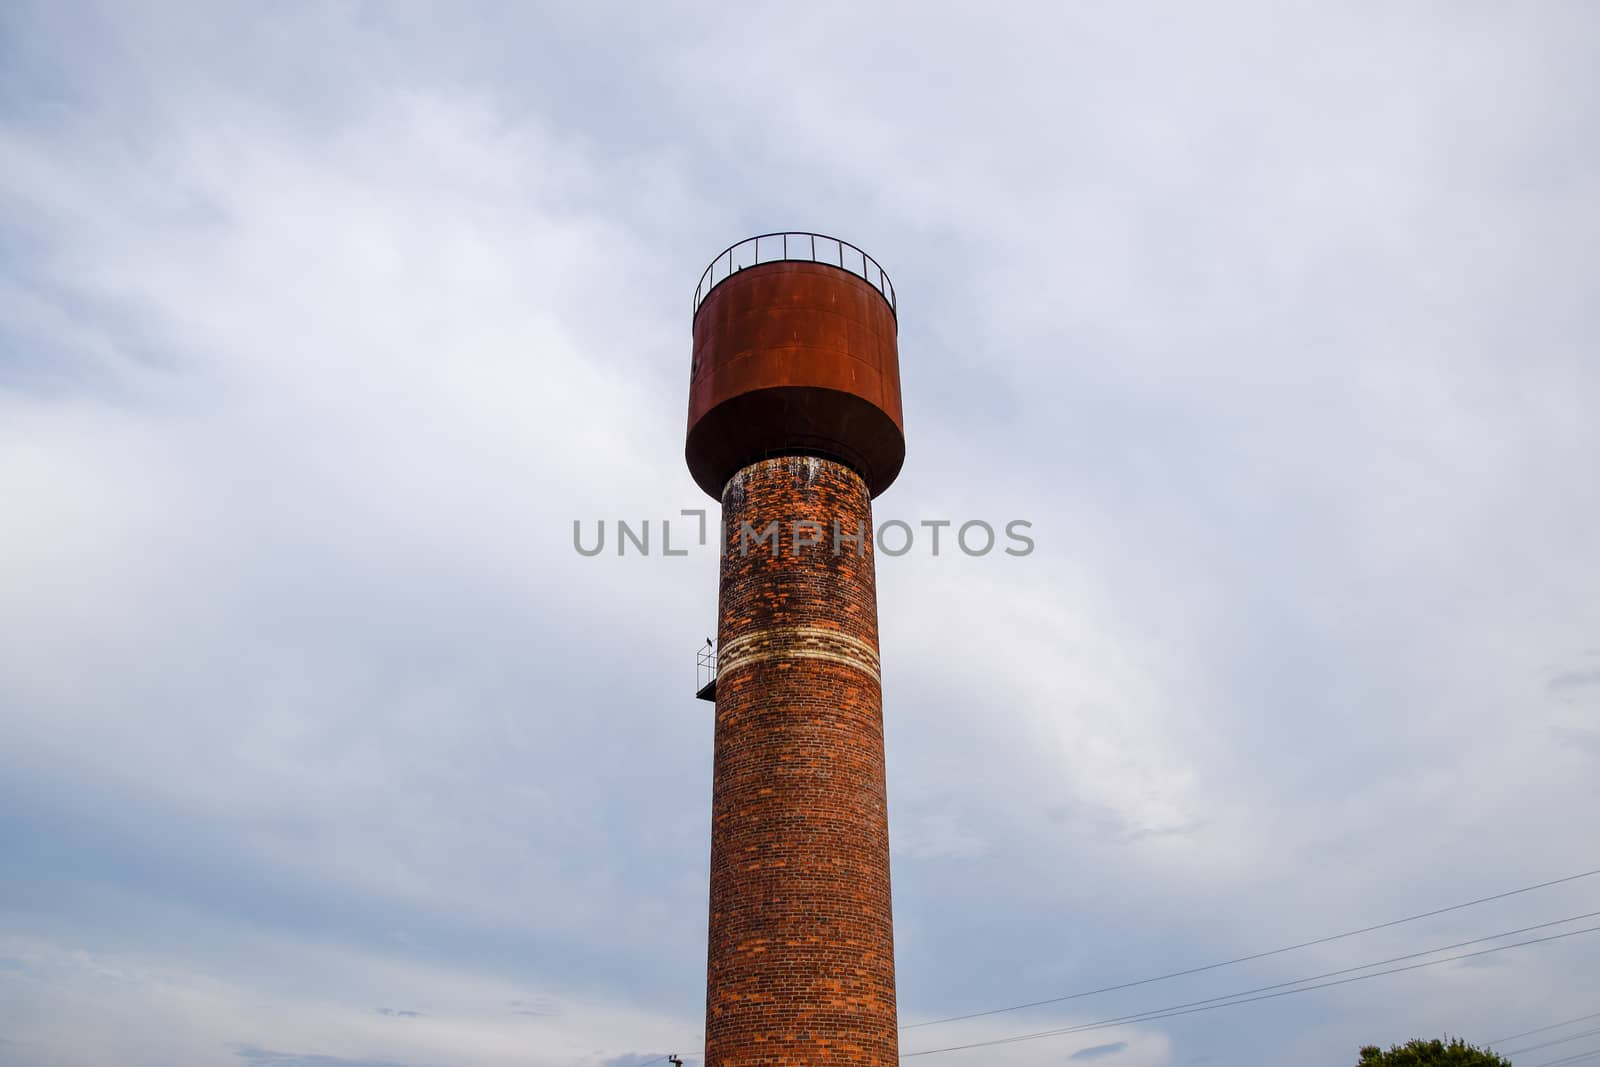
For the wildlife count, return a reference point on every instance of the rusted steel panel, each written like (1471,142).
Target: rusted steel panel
(795,357)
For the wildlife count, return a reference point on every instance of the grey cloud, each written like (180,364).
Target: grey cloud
(534,1006)
(399,1013)
(270,1058)
(1578,737)
(1095,1052)
(1574,680)
(1142,833)
(1114,827)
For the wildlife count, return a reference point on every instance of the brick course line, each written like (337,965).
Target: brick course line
(798,642)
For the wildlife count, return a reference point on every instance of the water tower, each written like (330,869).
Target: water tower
(795,426)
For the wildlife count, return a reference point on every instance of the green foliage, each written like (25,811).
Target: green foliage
(1452,1052)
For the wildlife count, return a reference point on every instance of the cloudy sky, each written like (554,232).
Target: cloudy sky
(320,325)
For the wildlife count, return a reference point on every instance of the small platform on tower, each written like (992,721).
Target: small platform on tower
(706,673)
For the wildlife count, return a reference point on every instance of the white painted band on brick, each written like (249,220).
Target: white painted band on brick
(798,642)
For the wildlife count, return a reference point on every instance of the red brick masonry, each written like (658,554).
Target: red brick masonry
(801,959)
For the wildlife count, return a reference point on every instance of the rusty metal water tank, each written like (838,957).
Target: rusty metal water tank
(795,353)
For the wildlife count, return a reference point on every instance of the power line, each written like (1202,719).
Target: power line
(1570,1059)
(1231,999)
(1547,1044)
(1254,956)
(1392,959)
(1443,948)
(1542,1029)
(1194,1007)
(1518,1052)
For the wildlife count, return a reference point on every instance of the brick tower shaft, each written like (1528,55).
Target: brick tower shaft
(795,426)
(801,958)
